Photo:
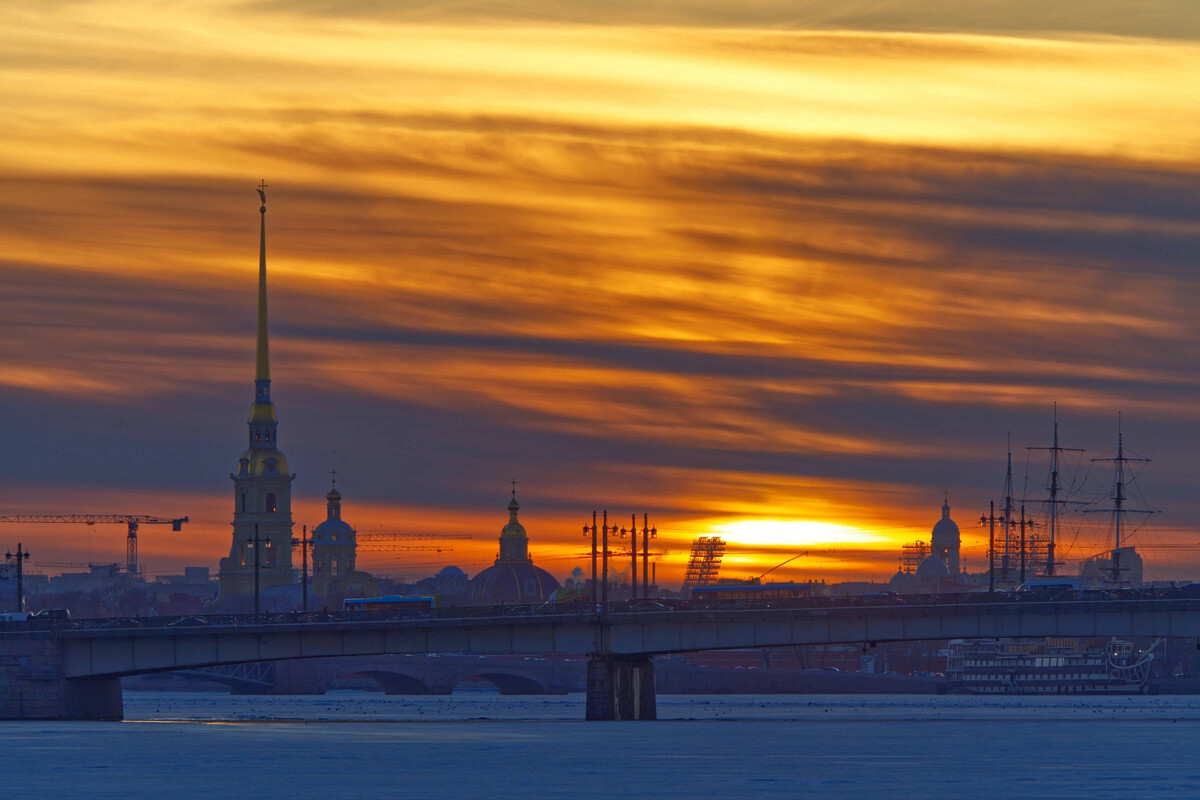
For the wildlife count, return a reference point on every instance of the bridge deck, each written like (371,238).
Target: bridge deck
(119,651)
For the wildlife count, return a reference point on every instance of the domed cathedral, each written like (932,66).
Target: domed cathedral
(262,485)
(334,550)
(945,541)
(512,578)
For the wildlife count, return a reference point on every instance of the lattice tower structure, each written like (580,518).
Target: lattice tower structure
(705,562)
(911,556)
(1037,555)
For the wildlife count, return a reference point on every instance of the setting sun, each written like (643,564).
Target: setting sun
(793,533)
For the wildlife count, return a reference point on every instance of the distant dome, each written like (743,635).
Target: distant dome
(333,531)
(946,530)
(512,583)
(932,567)
(452,572)
(513,578)
(513,528)
(901,580)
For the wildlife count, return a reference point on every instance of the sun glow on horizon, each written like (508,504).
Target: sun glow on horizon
(797,532)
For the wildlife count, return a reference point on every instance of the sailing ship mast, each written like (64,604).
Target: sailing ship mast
(1006,517)
(1118,497)
(1052,487)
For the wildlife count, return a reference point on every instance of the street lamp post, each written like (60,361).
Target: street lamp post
(604,567)
(633,533)
(255,542)
(648,533)
(20,557)
(304,542)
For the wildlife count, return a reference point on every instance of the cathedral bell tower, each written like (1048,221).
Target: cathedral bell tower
(262,485)
(334,547)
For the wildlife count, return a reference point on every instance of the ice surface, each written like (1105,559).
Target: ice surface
(351,745)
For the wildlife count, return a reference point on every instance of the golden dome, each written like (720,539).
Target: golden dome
(264,462)
(262,412)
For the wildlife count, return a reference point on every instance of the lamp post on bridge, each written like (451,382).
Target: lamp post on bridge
(20,557)
(648,533)
(600,552)
(591,530)
(990,521)
(255,542)
(304,543)
(604,569)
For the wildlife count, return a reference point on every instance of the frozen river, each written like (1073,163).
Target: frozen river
(476,745)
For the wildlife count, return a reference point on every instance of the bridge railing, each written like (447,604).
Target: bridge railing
(1092,599)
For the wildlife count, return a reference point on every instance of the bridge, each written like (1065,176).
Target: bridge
(70,671)
(400,674)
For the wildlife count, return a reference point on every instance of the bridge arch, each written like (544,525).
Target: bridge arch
(507,682)
(392,682)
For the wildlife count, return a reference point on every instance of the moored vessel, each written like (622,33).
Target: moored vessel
(1047,666)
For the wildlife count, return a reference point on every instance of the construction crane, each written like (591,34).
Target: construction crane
(396,542)
(777,566)
(383,547)
(380,538)
(132,521)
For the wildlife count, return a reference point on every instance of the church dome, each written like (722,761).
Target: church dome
(334,530)
(263,462)
(945,529)
(900,581)
(514,527)
(513,578)
(517,584)
(932,567)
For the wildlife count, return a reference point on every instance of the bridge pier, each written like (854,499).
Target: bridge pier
(621,688)
(32,685)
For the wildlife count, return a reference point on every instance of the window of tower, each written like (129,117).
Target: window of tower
(243,502)
(258,436)
(270,503)
(267,435)
(333,567)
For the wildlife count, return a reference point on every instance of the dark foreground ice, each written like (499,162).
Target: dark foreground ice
(357,745)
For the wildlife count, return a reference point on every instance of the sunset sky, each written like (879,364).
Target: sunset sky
(780,271)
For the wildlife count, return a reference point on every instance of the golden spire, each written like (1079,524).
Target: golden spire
(262,412)
(262,363)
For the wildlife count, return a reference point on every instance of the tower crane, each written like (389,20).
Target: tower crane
(397,542)
(132,521)
(777,566)
(409,537)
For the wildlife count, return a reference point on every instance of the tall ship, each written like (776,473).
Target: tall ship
(1048,666)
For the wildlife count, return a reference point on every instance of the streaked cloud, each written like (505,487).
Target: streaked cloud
(725,265)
